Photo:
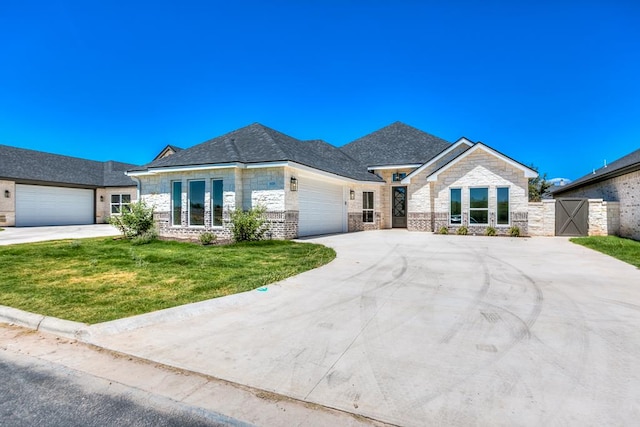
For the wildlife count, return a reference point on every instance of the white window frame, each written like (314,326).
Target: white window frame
(204,204)
(508,206)
(450,190)
(213,211)
(478,209)
(120,204)
(173,219)
(367,209)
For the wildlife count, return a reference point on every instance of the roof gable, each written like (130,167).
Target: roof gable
(396,144)
(445,156)
(528,172)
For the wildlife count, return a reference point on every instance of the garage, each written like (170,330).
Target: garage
(321,207)
(38,205)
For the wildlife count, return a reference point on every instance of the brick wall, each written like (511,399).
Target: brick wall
(7,204)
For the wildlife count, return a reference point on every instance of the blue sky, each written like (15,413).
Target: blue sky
(553,83)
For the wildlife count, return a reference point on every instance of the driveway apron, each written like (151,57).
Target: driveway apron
(416,328)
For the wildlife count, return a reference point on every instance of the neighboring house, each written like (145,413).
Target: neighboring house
(398,176)
(616,182)
(39,188)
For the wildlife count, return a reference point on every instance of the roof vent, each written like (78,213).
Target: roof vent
(605,163)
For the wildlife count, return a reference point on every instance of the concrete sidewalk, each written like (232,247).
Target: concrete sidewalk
(418,329)
(13,235)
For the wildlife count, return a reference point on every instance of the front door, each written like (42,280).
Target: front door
(399,207)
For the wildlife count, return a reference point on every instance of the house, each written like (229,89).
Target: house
(39,188)
(396,177)
(617,182)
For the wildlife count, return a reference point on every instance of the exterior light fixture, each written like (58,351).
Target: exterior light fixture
(7,193)
(294,183)
(352,194)
(102,198)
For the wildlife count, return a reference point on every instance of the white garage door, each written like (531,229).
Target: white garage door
(42,205)
(321,207)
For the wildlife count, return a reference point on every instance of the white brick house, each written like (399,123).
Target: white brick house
(398,176)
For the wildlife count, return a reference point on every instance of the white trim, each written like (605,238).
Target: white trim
(331,176)
(386,167)
(459,142)
(154,171)
(528,173)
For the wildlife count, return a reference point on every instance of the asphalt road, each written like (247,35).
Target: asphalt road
(34,393)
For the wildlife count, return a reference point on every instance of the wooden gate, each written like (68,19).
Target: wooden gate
(572,217)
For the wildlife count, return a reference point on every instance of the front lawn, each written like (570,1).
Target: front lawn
(96,280)
(626,250)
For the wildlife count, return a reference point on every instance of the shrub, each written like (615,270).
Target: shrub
(247,226)
(514,231)
(491,231)
(147,237)
(443,230)
(207,238)
(463,231)
(135,221)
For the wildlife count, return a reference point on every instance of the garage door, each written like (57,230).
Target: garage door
(321,207)
(42,205)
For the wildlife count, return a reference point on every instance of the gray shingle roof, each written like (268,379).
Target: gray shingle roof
(257,143)
(396,144)
(626,164)
(36,166)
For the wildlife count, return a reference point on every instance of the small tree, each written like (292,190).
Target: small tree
(134,221)
(247,226)
(538,186)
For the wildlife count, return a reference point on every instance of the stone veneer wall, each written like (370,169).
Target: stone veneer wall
(603,218)
(7,204)
(624,189)
(542,218)
(103,209)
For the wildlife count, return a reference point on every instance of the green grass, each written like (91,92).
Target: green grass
(96,280)
(626,250)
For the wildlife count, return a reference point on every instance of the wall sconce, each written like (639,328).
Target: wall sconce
(7,193)
(352,194)
(102,198)
(294,183)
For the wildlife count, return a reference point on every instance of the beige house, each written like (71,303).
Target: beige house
(396,177)
(39,188)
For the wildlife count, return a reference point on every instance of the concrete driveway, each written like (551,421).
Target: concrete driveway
(12,235)
(419,329)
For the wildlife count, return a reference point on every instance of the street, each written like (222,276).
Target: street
(37,393)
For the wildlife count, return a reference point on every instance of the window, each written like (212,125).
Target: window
(196,202)
(367,206)
(398,176)
(216,202)
(176,203)
(120,202)
(503,206)
(455,208)
(479,206)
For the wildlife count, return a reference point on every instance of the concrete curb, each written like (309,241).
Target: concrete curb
(38,322)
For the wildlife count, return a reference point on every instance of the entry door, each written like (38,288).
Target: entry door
(399,207)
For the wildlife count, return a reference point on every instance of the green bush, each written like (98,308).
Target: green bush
(514,231)
(135,221)
(207,238)
(443,230)
(247,226)
(146,237)
(491,231)
(462,231)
